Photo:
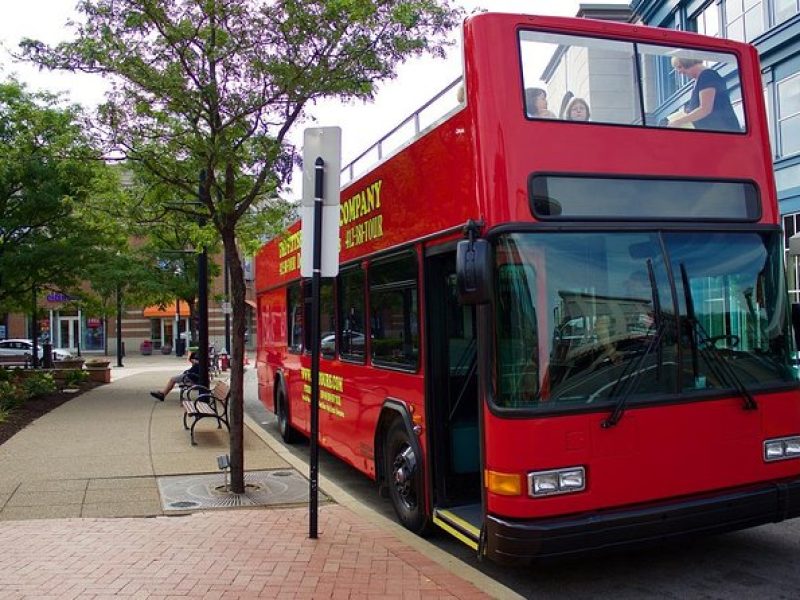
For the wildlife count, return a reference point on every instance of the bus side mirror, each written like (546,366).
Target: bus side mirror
(474,271)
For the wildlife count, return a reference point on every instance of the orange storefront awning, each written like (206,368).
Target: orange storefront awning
(251,303)
(165,311)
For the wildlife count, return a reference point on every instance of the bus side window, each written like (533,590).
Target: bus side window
(352,343)
(394,314)
(327,323)
(294,313)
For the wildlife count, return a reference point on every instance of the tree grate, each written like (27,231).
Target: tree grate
(262,488)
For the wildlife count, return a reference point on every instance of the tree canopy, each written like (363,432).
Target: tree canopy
(49,173)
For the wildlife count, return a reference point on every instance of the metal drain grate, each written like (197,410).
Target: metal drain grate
(262,488)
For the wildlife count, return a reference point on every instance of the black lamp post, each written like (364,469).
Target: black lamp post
(119,325)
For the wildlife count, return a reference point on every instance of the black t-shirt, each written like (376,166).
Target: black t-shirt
(193,372)
(722,117)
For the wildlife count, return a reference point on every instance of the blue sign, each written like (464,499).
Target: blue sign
(58,297)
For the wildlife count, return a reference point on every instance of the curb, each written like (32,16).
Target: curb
(483,582)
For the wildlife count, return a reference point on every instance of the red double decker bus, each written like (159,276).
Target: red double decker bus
(558,328)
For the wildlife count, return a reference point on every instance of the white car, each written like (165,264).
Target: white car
(24,348)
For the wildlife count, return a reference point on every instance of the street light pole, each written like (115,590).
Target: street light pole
(119,325)
(227,303)
(202,293)
(35,331)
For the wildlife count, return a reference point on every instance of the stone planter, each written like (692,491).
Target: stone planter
(99,375)
(95,363)
(166,349)
(69,364)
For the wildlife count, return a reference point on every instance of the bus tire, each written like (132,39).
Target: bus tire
(288,433)
(404,479)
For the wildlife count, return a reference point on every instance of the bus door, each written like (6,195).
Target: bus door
(452,406)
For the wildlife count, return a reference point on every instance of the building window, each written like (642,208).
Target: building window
(789,115)
(790,224)
(744,19)
(706,22)
(770,117)
(785,9)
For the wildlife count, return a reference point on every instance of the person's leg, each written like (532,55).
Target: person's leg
(171,384)
(167,389)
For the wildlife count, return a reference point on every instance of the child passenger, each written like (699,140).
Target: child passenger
(536,104)
(578,110)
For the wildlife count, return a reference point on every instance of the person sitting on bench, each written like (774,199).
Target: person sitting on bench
(192,374)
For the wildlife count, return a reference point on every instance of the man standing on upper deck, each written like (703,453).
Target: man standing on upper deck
(709,106)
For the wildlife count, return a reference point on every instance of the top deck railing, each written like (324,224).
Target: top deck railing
(427,116)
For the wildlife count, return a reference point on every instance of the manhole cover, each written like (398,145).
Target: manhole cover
(183,504)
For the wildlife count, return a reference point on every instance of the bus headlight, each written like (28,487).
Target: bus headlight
(557,481)
(782,448)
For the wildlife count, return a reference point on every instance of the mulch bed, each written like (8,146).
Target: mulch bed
(34,408)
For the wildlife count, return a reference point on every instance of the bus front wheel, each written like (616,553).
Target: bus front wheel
(403,472)
(288,433)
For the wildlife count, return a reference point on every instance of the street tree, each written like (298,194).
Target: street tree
(50,173)
(215,86)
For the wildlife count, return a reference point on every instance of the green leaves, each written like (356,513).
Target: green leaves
(48,176)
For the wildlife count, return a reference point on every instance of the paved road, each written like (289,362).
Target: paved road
(763,562)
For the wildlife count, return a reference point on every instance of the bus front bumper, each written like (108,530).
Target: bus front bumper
(510,541)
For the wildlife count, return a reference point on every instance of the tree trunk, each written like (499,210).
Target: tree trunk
(236,402)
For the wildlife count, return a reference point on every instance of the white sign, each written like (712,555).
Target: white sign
(227,308)
(321,143)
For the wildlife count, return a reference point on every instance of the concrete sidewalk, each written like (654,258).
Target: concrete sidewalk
(101,456)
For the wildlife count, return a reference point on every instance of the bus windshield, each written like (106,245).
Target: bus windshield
(583,318)
(576,78)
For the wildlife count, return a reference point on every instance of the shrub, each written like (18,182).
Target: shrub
(39,384)
(11,395)
(75,377)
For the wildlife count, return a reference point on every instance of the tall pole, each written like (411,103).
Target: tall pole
(202,292)
(227,302)
(119,325)
(319,171)
(227,292)
(35,330)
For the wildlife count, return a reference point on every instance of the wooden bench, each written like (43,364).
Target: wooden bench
(201,403)
(17,360)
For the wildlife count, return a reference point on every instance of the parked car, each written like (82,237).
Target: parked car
(352,341)
(24,348)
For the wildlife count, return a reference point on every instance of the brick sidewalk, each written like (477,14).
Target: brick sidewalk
(218,554)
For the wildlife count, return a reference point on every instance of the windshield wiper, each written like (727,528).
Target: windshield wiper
(719,367)
(631,382)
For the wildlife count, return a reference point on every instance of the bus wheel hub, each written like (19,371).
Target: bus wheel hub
(405,466)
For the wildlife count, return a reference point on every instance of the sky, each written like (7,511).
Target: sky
(362,123)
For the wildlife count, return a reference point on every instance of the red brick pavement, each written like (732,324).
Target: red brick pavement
(218,554)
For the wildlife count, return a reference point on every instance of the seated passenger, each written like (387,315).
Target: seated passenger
(709,106)
(578,110)
(536,104)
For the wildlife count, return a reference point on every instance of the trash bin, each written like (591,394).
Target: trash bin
(47,356)
(180,347)
(224,361)
(146,348)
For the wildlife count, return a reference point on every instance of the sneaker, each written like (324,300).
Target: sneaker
(157,395)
